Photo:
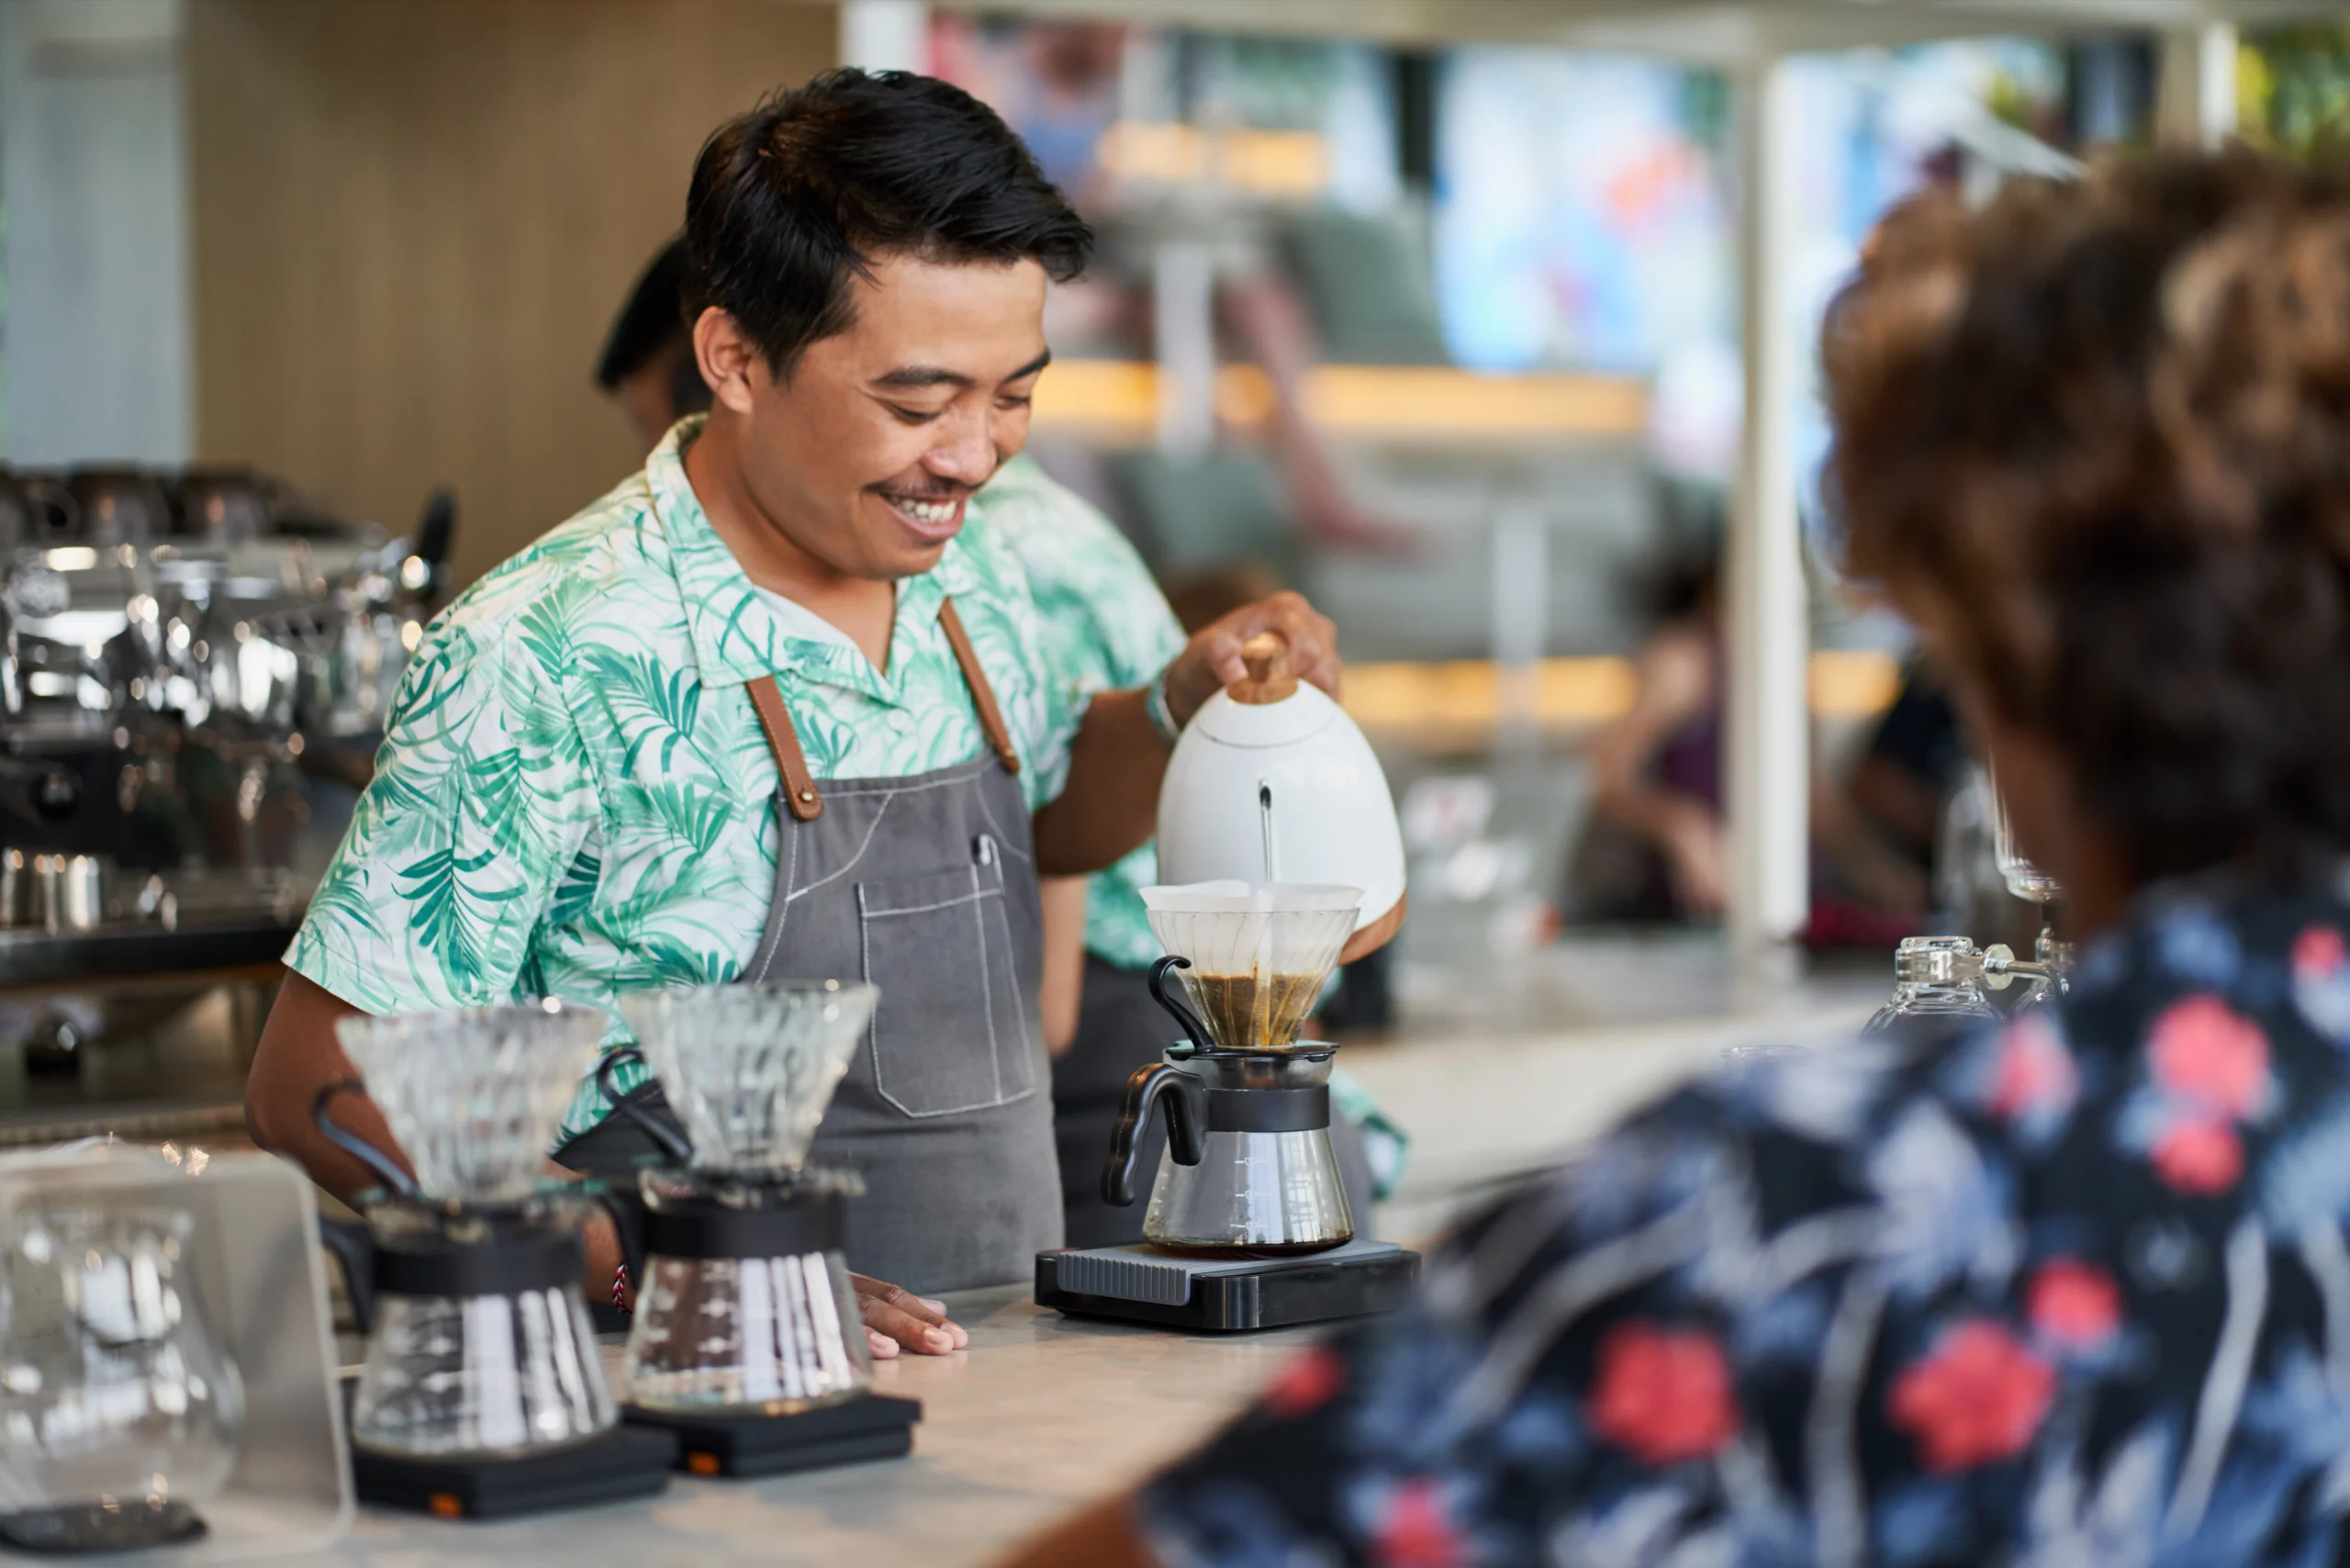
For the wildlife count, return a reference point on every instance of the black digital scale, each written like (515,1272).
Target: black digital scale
(1142,1285)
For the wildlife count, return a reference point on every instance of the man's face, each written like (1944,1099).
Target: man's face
(867,454)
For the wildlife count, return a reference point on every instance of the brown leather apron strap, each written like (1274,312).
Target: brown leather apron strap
(983,694)
(790,764)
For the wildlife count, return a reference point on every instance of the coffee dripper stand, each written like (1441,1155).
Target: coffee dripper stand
(1941,982)
(685,1230)
(440,1287)
(1247,1226)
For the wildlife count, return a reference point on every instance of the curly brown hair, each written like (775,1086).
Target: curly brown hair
(2097,435)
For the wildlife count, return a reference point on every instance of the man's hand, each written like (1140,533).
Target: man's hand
(896,1319)
(1212,661)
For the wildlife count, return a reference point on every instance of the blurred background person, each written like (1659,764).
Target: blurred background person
(2064,1291)
(1653,848)
(647,365)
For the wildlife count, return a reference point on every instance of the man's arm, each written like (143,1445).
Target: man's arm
(299,1057)
(1064,983)
(1111,804)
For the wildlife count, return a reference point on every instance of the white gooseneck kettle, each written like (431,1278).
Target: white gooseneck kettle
(1271,782)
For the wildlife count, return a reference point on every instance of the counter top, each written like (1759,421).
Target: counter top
(1041,1413)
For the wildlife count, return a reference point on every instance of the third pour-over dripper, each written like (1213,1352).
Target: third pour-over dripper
(744,1303)
(1249,1166)
(479,1343)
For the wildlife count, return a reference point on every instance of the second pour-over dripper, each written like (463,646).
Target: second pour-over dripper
(744,1303)
(479,1344)
(1248,1166)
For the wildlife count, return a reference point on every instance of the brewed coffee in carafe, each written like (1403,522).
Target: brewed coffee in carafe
(1249,1169)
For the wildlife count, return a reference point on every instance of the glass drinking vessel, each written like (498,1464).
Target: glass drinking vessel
(119,1410)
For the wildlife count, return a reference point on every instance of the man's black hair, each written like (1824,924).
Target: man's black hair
(813,186)
(654,317)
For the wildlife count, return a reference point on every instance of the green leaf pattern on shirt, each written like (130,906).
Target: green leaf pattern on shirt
(1108,628)
(574,797)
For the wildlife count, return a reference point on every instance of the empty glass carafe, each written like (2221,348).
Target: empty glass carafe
(119,1411)
(480,1343)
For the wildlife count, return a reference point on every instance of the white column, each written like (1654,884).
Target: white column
(92,175)
(2195,95)
(1183,314)
(1766,636)
(885,35)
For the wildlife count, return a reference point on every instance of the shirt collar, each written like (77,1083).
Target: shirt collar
(737,635)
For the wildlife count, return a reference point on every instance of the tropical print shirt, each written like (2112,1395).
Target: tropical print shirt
(2075,1292)
(1107,628)
(574,797)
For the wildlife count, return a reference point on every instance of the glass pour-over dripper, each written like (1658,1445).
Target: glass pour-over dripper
(474,1097)
(1257,956)
(749,1068)
(744,1303)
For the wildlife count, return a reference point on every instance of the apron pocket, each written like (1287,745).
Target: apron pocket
(951,1031)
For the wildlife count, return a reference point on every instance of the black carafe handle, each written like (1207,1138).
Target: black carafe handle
(396,1177)
(1194,1030)
(1186,1099)
(353,1247)
(666,1135)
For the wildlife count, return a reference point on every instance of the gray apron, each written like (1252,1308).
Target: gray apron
(926,886)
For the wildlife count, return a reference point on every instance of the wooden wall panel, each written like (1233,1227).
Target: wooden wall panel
(414,220)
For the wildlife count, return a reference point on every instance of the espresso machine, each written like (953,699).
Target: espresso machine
(483,1392)
(195,666)
(746,1342)
(1248,1224)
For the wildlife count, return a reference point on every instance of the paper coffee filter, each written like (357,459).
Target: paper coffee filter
(1284,935)
(474,1097)
(749,1070)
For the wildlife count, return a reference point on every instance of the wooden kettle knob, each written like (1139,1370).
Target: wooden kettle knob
(1268,679)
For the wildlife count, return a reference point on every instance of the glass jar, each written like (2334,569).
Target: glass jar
(119,1410)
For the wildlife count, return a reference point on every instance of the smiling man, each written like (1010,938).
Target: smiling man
(764,711)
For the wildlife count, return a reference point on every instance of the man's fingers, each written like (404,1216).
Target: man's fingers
(905,1317)
(883,1348)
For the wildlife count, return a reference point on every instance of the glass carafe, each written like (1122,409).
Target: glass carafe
(746,1306)
(1252,1192)
(119,1411)
(481,1344)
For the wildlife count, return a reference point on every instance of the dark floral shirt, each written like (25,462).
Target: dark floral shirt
(2072,1292)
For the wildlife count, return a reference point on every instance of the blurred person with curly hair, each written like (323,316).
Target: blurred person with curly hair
(2075,1290)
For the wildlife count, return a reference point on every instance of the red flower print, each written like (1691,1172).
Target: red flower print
(1662,1394)
(2034,1072)
(2205,1051)
(1305,1384)
(2075,1304)
(2199,1155)
(2319,951)
(1416,1530)
(1978,1397)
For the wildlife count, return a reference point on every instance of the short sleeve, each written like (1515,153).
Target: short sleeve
(480,798)
(1106,623)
